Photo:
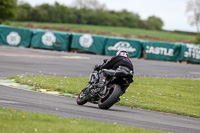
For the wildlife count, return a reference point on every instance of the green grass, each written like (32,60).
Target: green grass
(121,30)
(177,96)
(12,121)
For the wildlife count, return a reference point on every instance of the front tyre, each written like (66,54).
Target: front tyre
(81,99)
(111,98)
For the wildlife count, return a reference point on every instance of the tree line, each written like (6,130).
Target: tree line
(7,10)
(90,12)
(58,13)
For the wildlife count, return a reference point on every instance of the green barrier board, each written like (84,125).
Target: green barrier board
(13,36)
(133,47)
(190,52)
(88,42)
(162,51)
(50,40)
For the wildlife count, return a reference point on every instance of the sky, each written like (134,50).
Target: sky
(172,12)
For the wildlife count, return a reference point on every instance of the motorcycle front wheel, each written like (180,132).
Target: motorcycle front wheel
(81,99)
(111,98)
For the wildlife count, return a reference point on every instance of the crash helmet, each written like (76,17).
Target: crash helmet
(122,53)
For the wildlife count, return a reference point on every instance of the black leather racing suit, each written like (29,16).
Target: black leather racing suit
(117,61)
(114,64)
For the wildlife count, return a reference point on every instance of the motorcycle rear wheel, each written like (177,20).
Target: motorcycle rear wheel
(111,98)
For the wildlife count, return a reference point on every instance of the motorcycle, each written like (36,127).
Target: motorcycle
(115,86)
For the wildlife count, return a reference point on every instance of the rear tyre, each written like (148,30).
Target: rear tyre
(111,98)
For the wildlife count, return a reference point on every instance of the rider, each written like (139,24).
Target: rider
(116,64)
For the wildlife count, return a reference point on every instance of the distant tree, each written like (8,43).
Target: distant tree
(50,13)
(86,12)
(7,9)
(154,23)
(193,10)
(89,4)
(65,14)
(39,14)
(128,19)
(197,39)
(23,12)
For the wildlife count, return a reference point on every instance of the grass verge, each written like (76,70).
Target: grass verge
(177,96)
(120,30)
(13,121)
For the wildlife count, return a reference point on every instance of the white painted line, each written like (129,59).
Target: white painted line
(43,56)
(6,101)
(195,73)
(75,57)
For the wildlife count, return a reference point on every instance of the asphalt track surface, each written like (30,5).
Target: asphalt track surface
(16,61)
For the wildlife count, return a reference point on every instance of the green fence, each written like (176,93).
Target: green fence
(133,47)
(190,52)
(13,36)
(88,42)
(162,51)
(166,51)
(50,40)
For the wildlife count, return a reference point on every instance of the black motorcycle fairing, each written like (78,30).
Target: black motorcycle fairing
(117,81)
(94,77)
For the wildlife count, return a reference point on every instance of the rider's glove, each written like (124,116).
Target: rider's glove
(97,67)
